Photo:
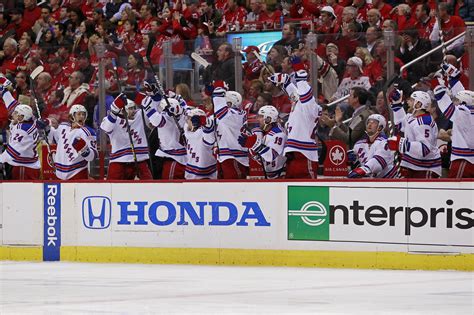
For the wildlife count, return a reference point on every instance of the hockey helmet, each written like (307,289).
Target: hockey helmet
(422,97)
(269,111)
(379,118)
(130,104)
(77,109)
(234,98)
(195,112)
(465,97)
(25,111)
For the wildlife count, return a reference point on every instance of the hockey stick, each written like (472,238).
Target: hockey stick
(152,168)
(160,86)
(387,85)
(127,124)
(34,74)
(203,62)
(441,35)
(259,57)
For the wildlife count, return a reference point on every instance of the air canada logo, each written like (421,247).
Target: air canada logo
(337,155)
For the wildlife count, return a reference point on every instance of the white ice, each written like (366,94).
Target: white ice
(84,288)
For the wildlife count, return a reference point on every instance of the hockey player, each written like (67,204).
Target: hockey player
(233,158)
(420,155)
(376,160)
(170,121)
(461,113)
(76,145)
(300,148)
(200,139)
(21,149)
(122,164)
(267,143)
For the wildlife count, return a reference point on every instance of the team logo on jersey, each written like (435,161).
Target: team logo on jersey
(96,212)
(308,213)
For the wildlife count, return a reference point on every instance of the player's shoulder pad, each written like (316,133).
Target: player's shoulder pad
(362,140)
(382,136)
(27,127)
(424,119)
(276,129)
(88,131)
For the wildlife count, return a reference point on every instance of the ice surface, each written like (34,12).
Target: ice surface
(80,288)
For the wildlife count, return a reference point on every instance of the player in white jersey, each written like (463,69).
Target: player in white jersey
(169,121)
(199,133)
(420,154)
(21,151)
(76,145)
(267,143)
(461,113)
(301,149)
(122,165)
(232,157)
(376,160)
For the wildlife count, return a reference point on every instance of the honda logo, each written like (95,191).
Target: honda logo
(96,212)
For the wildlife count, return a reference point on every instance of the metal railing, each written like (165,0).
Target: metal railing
(342,99)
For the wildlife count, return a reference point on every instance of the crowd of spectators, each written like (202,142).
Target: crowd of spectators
(62,35)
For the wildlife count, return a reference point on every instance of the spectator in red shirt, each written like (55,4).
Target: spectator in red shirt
(18,23)
(424,22)
(385,9)
(144,25)
(59,81)
(329,26)
(338,9)
(362,8)
(374,19)
(22,84)
(55,9)
(136,71)
(349,40)
(451,26)
(270,17)
(32,13)
(252,67)
(233,19)
(10,50)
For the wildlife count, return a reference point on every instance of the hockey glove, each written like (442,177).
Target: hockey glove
(396,98)
(247,141)
(42,123)
(118,104)
(81,147)
(4,85)
(351,156)
(220,84)
(151,87)
(301,75)
(439,92)
(177,97)
(399,144)
(219,92)
(359,172)
(280,78)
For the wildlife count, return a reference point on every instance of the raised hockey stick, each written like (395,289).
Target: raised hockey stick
(34,74)
(259,57)
(127,124)
(160,86)
(203,62)
(152,168)
(387,86)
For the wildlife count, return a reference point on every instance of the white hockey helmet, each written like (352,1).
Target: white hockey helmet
(269,111)
(25,110)
(195,112)
(77,109)
(422,97)
(175,107)
(466,97)
(379,118)
(130,104)
(234,98)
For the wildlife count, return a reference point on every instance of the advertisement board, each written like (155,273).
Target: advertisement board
(263,40)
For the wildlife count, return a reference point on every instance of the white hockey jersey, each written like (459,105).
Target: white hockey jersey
(67,160)
(376,156)
(116,129)
(422,153)
(23,140)
(22,144)
(462,137)
(202,163)
(303,121)
(168,132)
(272,153)
(229,122)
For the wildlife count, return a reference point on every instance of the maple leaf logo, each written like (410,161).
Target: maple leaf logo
(337,155)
